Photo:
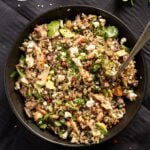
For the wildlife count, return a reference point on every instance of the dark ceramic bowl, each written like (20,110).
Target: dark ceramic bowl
(15,99)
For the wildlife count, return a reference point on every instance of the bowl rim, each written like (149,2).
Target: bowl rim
(28,25)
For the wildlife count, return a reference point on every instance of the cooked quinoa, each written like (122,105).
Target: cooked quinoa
(66,73)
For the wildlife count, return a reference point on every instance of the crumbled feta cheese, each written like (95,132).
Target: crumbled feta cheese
(90,47)
(116,114)
(63,54)
(60,78)
(17,86)
(64,135)
(90,103)
(123,40)
(73,51)
(96,133)
(29,61)
(30,46)
(46,65)
(43,77)
(102,21)
(83,27)
(77,62)
(67,114)
(131,95)
(24,80)
(45,103)
(96,24)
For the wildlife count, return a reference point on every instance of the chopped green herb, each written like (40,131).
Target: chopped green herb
(46,117)
(38,96)
(61,113)
(95,68)
(99,32)
(21,73)
(79,101)
(71,105)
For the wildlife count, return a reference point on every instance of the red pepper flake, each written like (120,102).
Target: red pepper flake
(63,64)
(49,100)
(114,141)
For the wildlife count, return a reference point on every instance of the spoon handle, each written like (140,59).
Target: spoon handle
(145,36)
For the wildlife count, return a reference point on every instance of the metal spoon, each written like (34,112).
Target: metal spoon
(145,36)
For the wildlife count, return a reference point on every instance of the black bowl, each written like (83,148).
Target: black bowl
(15,99)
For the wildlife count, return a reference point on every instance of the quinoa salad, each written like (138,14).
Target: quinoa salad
(65,75)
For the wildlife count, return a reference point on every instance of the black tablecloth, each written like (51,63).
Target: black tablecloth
(14,16)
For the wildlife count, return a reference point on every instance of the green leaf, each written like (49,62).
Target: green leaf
(95,68)
(71,105)
(38,96)
(21,73)
(79,101)
(46,117)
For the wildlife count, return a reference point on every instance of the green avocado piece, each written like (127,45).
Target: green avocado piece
(102,127)
(66,33)
(111,31)
(53,27)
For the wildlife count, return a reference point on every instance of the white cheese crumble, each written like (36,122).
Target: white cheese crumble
(90,47)
(67,114)
(64,135)
(77,62)
(90,103)
(96,24)
(29,61)
(60,78)
(24,80)
(45,103)
(102,21)
(17,86)
(131,95)
(73,51)
(30,46)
